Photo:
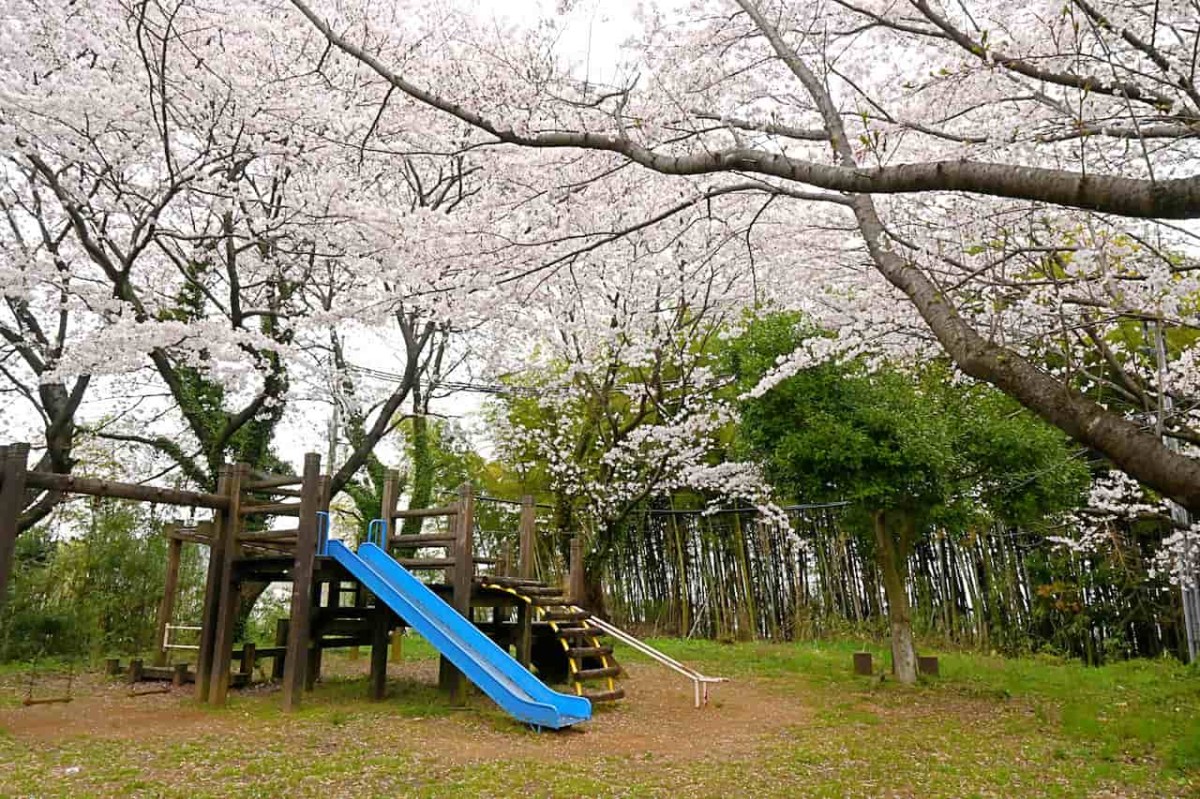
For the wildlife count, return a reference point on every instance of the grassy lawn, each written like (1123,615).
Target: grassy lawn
(794,722)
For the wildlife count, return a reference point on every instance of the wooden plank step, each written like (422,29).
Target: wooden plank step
(589,651)
(606,696)
(423,540)
(595,674)
(576,633)
(548,601)
(566,615)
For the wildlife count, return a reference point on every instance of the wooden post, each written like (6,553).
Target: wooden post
(504,564)
(397,646)
(464,575)
(249,659)
(212,594)
(862,664)
(499,617)
(281,639)
(525,569)
(524,635)
(112,667)
(464,549)
(166,608)
(381,622)
(387,506)
(228,599)
(525,546)
(296,662)
(576,591)
(14,465)
(312,668)
(179,675)
(135,671)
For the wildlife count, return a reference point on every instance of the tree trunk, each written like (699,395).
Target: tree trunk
(890,559)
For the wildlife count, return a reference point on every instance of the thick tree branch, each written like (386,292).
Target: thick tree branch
(1139,453)
(1175,199)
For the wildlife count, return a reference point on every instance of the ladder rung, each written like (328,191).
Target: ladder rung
(607,696)
(422,540)
(269,535)
(565,615)
(425,563)
(595,674)
(589,651)
(579,632)
(272,508)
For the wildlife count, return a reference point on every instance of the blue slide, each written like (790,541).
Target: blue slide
(502,678)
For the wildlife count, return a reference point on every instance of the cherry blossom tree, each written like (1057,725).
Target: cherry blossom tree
(615,394)
(996,183)
(190,237)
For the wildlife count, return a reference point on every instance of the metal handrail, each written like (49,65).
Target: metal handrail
(700,682)
(322,531)
(382,526)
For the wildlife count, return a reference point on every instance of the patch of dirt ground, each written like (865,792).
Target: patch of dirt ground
(656,719)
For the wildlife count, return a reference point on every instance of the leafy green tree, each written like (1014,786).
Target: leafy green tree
(95,588)
(913,451)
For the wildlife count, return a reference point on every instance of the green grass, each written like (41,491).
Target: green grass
(988,726)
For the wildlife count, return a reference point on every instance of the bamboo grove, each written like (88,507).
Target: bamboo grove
(726,576)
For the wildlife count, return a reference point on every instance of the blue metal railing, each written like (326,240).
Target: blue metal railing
(322,531)
(381,526)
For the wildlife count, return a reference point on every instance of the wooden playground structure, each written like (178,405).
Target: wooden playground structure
(541,624)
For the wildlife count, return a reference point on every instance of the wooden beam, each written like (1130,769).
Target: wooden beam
(422,513)
(197,537)
(14,464)
(276,492)
(273,508)
(259,480)
(270,535)
(424,540)
(426,563)
(296,662)
(166,608)
(71,484)
(230,597)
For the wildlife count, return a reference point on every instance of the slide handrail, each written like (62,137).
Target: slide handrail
(382,526)
(322,531)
